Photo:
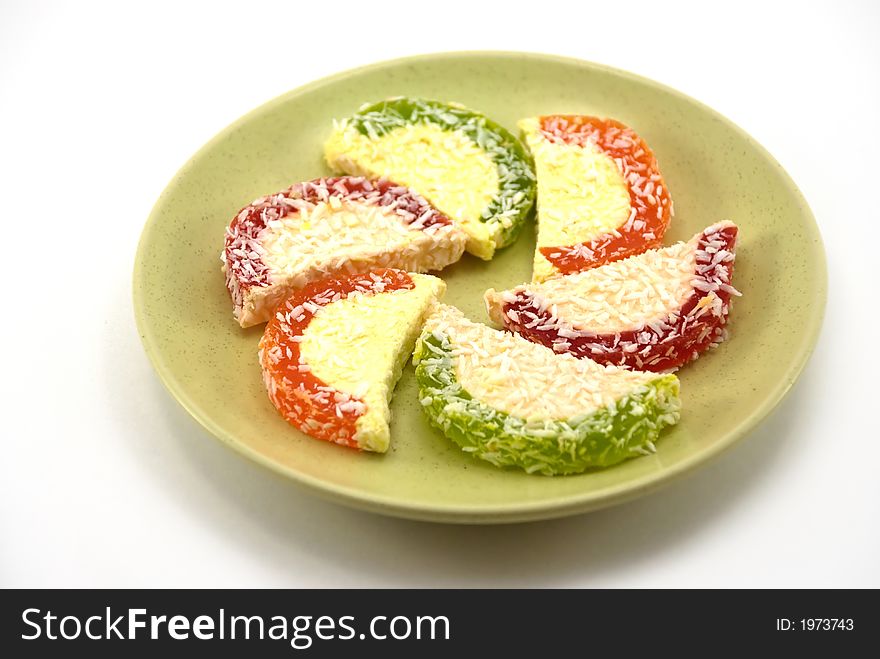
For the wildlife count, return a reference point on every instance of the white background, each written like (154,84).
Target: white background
(105,481)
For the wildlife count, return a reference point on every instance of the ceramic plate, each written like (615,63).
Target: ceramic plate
(713,169)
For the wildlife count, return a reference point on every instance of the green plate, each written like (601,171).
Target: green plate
(713,169)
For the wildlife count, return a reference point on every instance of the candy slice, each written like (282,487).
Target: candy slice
(468,166)
(334,350)
(330,227)
(651,312)
(600,193)
(516,403)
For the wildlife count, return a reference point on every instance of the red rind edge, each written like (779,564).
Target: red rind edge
(661,345)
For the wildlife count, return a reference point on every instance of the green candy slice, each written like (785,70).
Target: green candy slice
(471,168)
(510,402)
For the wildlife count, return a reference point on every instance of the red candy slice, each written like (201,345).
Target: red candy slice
(662,344)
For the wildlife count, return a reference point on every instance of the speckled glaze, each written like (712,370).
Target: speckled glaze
(714,170)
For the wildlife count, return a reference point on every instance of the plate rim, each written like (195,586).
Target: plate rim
(503,512)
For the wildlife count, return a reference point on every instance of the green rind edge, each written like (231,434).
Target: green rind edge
(622,430)
(513,160)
